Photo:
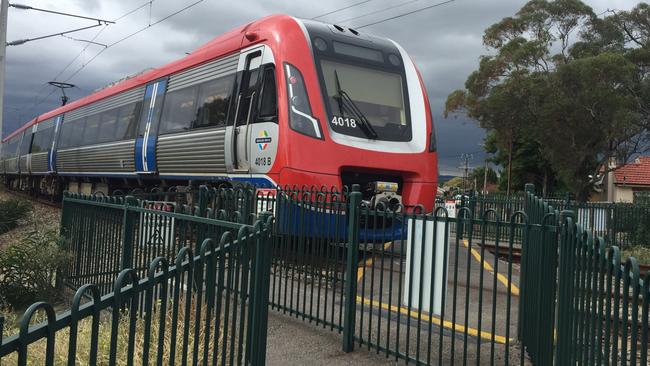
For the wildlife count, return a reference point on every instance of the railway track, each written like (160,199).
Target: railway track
(41,200)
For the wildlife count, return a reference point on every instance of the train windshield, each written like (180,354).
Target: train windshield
(365,102)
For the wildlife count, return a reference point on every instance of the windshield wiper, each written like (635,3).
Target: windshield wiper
(346,103)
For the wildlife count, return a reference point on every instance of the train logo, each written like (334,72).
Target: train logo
(263,140)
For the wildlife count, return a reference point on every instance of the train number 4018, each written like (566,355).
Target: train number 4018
(263,161)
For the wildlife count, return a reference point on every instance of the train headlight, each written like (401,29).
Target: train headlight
(300,116)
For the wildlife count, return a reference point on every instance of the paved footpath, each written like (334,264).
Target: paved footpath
(294,342)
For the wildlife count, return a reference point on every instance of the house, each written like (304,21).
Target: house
(628,179)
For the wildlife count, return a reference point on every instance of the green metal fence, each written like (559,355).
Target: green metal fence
(622,224)
(309,253)
(603,303)
(538,272)
(429,289)
(415,286)
(208,305)
(359,272)
(108,234)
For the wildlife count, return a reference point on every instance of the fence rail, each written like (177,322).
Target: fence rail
(620,223)
(603,304)
(418,287)
(208,303)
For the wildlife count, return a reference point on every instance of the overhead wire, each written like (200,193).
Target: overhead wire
(77,71)
(131,35)
(37,102)
(377,11)
(341,9)
(404,14)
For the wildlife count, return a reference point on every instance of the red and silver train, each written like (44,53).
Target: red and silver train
(279,101)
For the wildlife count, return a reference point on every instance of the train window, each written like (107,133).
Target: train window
(42,140)
(268,100)
(25,143)
(107,126)
(11,148)
(128,121)
(65,137)
(91,130)
(214,97)
(249,84)
(179,110)
(74,131)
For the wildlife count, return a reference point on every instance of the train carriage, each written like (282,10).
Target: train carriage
(279,101)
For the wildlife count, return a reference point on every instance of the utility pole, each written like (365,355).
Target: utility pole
(467,158)
(4,9)
(484,190)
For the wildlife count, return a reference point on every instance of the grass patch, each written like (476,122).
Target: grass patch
(641,253)
(166,326)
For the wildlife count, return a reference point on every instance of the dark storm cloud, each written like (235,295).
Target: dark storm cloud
(445,43)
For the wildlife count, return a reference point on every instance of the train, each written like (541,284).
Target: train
(280,101)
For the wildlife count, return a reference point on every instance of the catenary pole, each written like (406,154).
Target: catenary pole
(4,7)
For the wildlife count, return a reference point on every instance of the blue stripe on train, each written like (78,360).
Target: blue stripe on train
(295,219)
(138,154)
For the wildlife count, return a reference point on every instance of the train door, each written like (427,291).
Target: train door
(145,143)
(51,156)
(263,138)
(244,108)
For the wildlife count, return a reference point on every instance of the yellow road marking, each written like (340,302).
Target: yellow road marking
(369,262)
(414,314)
(503,279)
(446,324)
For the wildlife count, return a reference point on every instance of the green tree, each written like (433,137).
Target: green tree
(563,91)
(479,175)
(455,184)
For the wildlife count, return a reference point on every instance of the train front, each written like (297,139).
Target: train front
(358,114)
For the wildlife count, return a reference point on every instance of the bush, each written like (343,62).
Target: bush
(28,268)
(12,211)
(641,232)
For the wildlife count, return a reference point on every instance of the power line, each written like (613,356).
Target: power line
(341,9)
(112,44)
(377,11)
(134,10)
(38,102)
(405,14)
(133,34)
(27,7)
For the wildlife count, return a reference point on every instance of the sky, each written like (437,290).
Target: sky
(444,41)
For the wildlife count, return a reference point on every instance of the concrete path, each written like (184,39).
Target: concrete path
(294,342)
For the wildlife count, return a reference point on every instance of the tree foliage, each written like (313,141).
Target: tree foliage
(563,91)
(478,175)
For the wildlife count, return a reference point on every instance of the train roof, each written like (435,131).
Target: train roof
(224,44)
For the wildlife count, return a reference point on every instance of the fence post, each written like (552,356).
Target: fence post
(203,200)
(259,313)
(566,279)
(349,315)
(127,233)
(530,188)
(64,233)
(201,211)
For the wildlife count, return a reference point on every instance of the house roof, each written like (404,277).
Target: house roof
(636,173)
